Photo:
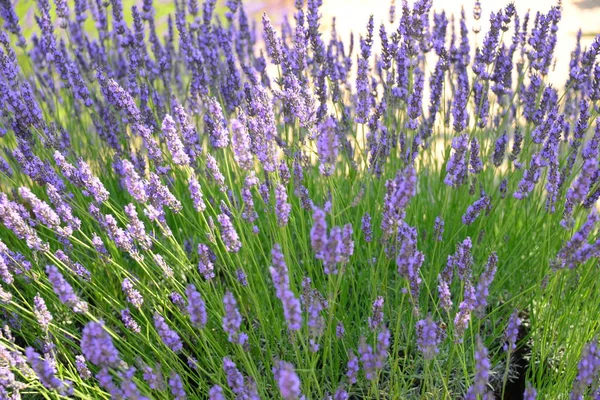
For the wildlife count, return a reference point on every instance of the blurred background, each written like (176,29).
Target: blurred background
(352,15)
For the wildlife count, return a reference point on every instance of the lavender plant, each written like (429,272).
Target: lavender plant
(226,209)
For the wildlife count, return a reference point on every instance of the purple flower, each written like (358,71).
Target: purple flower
(13,220)
(215,173)
(456,168)
(196,194)
(235,379)
(177,301)
(232,320)
(46,372)
(318,232)
(462,260)
(128,386)
(262,128)
(475,209)
(315,303)
(164,267)
(136,228)
(176,385)
(133,295)
(287,381)
(577,250)
(106,382)
(281,281)
(530,392)
(383,344)
(363,90)
(82,177)
(41,312)
(196,307)
(463,316)
(579,188)
(282,207)
(352,368)
(205,264)
(273,43)
(517,143)
(169,337)
(43,212)
(154,377)
(475,160)
(75,267)
(82,368)
(129,322)
(131,180)
(459,104)
(241,144)
(588,370)
(485,280)
(174,143)
(64,290)
(399,191)
(216,393)
(63,209)
(366,227)
(530,178)
(339,330)
(512,332)
(97,345)
(482,373)
(409,259)
(160,196)
(241,277)
(327,146)
(230,238)
(438,229)
(188,132)
(377,310)
(500,149)
(372,360)
(340,394)
(428,337)
(11,21)
(215,124)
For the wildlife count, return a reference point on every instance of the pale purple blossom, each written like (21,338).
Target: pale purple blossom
(232,320)
(169,337)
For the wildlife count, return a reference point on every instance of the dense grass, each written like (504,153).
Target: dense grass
(316,111)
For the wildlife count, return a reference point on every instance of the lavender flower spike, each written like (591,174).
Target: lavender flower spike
(229,234)
(232,320)
(169,337)
(174,143)
(282,207)
(97,345)
(512,331)
(281,280)
(64,290)
(216,393)
(589,370)
(428,337)
(327,146)
(46,372)
(214,122)
(287,381)
(41,312)
(482,374)
(196,307)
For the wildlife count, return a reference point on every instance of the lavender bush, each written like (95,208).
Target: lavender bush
(230,210)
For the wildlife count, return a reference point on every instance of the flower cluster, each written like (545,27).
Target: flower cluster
(222,204)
